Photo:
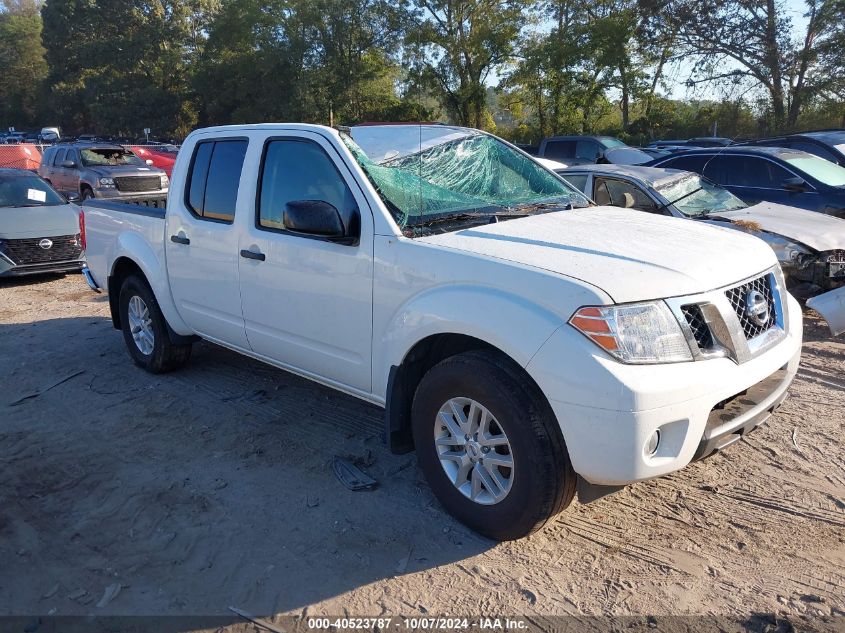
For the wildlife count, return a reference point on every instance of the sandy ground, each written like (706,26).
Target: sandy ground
(211,487)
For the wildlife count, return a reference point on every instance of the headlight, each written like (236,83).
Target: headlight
(636,333)
(165,182)
(789,253)
(106,182)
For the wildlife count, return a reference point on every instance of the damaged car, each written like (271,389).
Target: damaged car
(810,246)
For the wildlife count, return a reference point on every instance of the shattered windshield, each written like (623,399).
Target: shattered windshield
(429,173)
(108,157)
(693,195)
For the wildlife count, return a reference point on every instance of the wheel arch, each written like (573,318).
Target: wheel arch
(405,377)
(125,266)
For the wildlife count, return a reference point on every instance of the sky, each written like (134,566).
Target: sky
(680,72)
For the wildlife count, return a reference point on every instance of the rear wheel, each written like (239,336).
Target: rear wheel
(86,193)
(490,446)
(145,329)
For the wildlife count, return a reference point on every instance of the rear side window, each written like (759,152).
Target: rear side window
(299,170)
(687,163)
(746,171)
(213,181)
(559,149)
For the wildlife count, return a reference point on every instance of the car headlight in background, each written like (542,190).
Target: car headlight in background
(789,253)
(165,182)
(106,183)
(636,333)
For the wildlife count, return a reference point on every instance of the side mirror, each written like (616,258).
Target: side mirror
(317,218)
(69,164)
(795,184)
(72,197)
(149,161)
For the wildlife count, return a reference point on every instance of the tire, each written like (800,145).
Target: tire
(541,479)
(86,194)
(158,355)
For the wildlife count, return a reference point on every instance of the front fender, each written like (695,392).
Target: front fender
(134,247)
(504,320)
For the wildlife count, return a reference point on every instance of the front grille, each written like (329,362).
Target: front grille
(134,184)
(696,322)
(738,298)
(29,251)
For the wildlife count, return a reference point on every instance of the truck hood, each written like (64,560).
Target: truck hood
(632,256)
(16,223)
(818,231)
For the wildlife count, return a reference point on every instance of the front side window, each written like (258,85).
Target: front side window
(299,170)
(693,195)
(60,157)
(433,174)
(212,191)
(587,150)
(108,157)
(619,193)
(818,168)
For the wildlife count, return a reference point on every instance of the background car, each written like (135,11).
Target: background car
(810,246)
(40,231)
(576,149)
(772,174)
(98,170)
(827,144)
(162,156)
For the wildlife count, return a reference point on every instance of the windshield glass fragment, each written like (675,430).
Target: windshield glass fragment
(693,195)
(431,172)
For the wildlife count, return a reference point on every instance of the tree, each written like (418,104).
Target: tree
(119,66)
(22,61)
(459,43)
(736,39)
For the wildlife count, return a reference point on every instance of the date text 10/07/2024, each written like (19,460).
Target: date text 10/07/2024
(421,623)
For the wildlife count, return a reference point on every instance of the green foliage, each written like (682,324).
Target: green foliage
(558,66)
(23,65)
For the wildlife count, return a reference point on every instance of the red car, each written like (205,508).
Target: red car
(163,156)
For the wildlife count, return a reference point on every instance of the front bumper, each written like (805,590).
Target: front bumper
(609,411)
(9,270)
(119,196)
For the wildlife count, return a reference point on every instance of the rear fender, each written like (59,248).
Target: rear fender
(132,246)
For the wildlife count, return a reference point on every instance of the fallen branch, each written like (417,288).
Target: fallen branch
(262,623)
(35,394)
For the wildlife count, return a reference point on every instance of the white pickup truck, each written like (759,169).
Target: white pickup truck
(524,341)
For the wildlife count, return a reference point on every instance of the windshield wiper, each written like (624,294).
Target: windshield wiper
(468,215)
(663,207)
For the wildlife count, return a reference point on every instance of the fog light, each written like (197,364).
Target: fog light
(653,441)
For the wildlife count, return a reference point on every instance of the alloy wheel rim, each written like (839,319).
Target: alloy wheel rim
(474,451)
(141,325)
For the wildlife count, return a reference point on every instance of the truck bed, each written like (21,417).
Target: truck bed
(112,227)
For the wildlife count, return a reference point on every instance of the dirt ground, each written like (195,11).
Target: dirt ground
(190,492)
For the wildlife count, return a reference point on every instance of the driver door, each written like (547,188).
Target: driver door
(307,301)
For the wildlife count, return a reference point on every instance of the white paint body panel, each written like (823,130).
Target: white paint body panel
(831,305)
(345,315)
(818,231)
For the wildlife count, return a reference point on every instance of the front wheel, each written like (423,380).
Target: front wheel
(490,446)
(145,329)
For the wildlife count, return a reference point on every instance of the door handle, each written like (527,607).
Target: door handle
(179,239)
(253,255)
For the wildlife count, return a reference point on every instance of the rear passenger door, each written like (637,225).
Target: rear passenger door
(201,241)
